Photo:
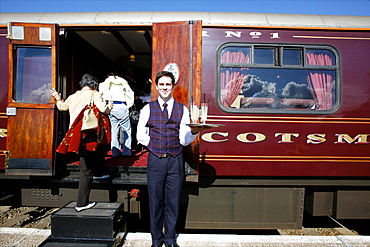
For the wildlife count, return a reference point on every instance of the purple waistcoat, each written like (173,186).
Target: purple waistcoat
(164,132)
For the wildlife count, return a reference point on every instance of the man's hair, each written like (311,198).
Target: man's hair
(90,81)
(164,73)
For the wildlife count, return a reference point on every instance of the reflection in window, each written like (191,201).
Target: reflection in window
(311,87)
(32,75)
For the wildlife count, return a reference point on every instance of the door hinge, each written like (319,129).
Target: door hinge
(6,163)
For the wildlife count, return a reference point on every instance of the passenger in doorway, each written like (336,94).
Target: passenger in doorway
(129,77)
(88,145)
(116,90)
(138,104)
(163,129)
(146,89)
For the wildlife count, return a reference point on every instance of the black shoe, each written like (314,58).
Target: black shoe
(171,245)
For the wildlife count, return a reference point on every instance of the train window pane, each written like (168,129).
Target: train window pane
(292,57)
(286,86)
(236,55)
(264,56)
(32,75)
(273,88)
(320,57)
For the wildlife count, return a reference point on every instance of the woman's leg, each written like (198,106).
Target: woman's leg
(86,178)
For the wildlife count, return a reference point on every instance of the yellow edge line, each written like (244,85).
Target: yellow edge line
(288,160)
(323,37)
(284,121)
(296,118)
(287,157)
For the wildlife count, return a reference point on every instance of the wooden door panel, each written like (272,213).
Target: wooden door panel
(33,141)
(180,43)
(31,123)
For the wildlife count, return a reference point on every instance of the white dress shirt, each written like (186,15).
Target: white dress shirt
(185,135)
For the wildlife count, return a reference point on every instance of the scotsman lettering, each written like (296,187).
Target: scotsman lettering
(285,138)
(3,133)
(344,138)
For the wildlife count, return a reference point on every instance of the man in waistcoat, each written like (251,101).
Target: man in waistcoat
(162,129)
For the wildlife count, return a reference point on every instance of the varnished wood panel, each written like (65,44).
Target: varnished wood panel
(181,43)
(31,131)
(30,135)
(31,33)
(31,37)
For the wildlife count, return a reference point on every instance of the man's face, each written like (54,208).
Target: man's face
(164,88)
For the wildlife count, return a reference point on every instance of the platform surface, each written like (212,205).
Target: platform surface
(29,237)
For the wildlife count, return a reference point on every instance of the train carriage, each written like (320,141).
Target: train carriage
(289,93)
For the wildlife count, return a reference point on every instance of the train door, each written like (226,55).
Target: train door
(177,47)
(31,114)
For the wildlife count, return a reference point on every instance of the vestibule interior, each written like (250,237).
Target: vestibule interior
(101,51)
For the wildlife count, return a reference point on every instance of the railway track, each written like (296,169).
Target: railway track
(15,216)
(26,217)
(40,218)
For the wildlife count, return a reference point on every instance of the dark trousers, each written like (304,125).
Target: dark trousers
(90,164)
(165,178)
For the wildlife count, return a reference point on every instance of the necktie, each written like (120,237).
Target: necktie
(165,109)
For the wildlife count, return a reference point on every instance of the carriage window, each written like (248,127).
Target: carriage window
(320,57)
(32,75)
(292,56)
(236,55)
(264,56)
(282,78)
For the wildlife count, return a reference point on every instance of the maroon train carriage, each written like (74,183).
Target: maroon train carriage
(290,94)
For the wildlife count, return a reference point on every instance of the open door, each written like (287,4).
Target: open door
(177,47)
(31,114)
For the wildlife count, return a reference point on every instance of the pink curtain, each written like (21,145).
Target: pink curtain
(321,84)
(232,82)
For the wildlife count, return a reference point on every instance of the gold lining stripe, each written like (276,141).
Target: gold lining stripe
(241,158)
(323,37)
(286,157)
(289,160)
(285,121)
(313,118)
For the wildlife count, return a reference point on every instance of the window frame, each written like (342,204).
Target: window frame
(16,61)
(278,65)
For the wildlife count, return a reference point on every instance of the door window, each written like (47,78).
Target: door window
(32,75)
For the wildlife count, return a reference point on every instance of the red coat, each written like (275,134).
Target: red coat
(77,141)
